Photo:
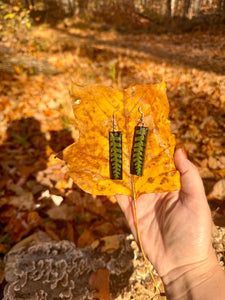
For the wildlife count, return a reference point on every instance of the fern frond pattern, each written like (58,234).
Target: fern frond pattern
(138,150)
(115,155)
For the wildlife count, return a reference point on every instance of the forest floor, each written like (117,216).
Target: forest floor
(37,122)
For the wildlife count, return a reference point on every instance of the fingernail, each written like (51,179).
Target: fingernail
(184,151)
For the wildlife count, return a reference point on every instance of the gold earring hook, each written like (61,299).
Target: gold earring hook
(114,122)
(142,117)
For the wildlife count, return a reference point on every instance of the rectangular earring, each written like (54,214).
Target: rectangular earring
(139,148)
(115,152)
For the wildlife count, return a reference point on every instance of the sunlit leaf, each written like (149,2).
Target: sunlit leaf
(99,281)
(28,24)
(88,159)
(9,16)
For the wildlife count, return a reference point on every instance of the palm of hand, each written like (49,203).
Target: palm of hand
(174,230)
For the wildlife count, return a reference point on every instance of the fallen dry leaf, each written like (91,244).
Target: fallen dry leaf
(218,191)
(3,248)
(100,280)
(88,202)
(205,172)
(102,229)
(35,238)
(110,243)
(22,224)
(57,199)
(23,202)
(86,239)
(213,163)
(64,184)
(2,271)
(62,212)
(219,220)
(88,159)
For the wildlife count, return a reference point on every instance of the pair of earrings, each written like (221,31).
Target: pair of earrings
(137,154)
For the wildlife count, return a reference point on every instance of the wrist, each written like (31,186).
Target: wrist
(199,280)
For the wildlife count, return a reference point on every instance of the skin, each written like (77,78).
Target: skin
(175,231)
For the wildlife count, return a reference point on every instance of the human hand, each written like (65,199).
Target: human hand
(175,227)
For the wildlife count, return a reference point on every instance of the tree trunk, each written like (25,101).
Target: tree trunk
(221,6)
(144,3)
(197,6)
(83,7)
(173,7)
(168,8)
(187,4)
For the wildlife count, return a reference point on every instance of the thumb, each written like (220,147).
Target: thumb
(191,182)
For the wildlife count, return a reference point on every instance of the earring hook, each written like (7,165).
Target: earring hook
(142,116)
(114,122)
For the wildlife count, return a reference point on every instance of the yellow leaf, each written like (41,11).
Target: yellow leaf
(9,16)
(64,184)
(88,159)
(28,25)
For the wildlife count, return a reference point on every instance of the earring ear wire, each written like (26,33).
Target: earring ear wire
(142,116)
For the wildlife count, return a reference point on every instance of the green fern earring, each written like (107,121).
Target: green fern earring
(139,147)
(115,152)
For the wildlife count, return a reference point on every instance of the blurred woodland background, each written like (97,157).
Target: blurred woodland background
(47,45)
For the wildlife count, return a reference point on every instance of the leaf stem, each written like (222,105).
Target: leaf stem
(139,236)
